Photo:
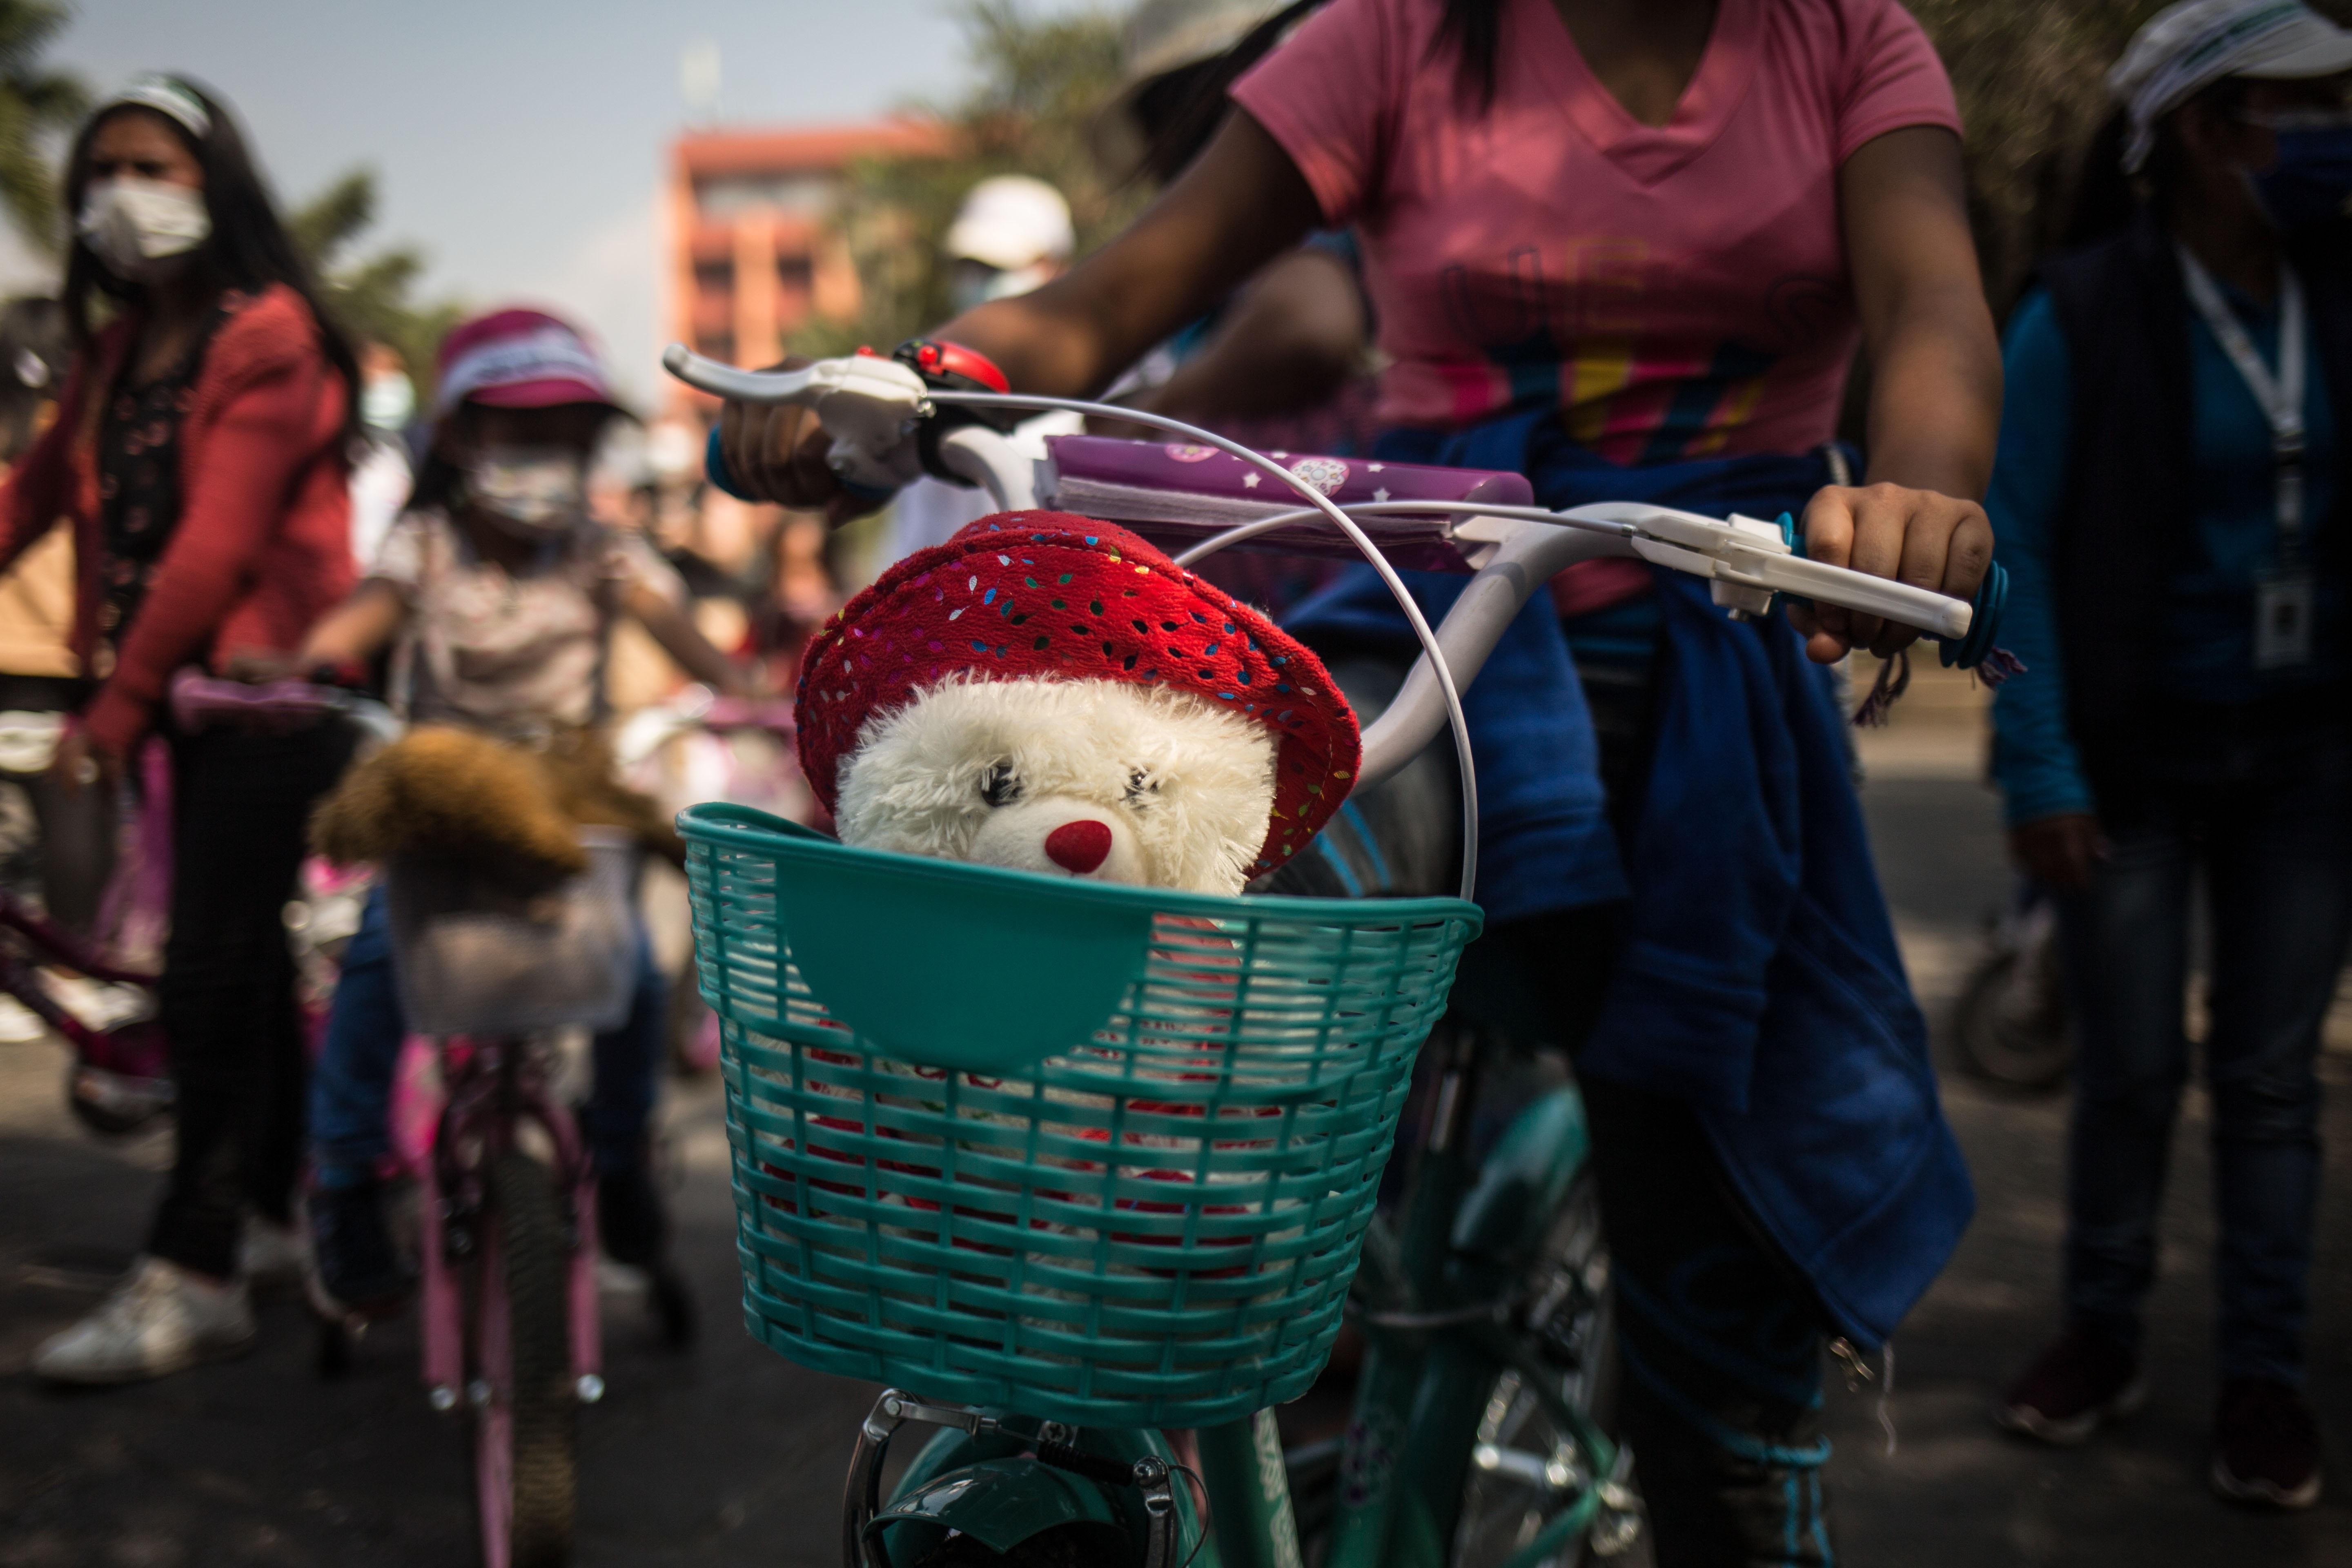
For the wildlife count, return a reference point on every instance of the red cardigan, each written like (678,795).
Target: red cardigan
(263,545)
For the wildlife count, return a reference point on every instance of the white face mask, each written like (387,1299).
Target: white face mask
(387,400)
(976,285)
(136,226)
(529,490)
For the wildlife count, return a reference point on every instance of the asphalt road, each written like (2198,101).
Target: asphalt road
(727,1456)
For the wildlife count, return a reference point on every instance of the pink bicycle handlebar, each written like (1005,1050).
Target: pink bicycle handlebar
(201,702)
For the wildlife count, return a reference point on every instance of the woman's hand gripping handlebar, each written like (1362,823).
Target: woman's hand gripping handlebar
(817,434)
(839,434)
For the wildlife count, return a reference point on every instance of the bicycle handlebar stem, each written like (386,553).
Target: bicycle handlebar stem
(1525,558)
(991,461)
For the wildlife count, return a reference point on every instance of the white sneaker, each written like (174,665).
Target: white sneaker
(18,1023)
(160,1319)
(272,1255)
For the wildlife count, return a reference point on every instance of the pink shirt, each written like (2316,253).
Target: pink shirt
(1678,292)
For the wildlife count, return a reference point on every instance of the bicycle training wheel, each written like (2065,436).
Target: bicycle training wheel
(1526,1467)
(2011,1022)
(523,1479)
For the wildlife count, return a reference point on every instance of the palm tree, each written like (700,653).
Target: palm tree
(33,102)
(371,296)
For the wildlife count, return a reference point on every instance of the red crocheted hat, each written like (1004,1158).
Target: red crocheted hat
(1043,594)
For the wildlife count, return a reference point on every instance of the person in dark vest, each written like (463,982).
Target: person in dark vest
(2169,497)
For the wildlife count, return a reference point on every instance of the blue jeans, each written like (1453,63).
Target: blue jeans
(2264,820)
(351,1088)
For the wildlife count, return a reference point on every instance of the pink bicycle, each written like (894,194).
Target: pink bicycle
(507,1199)
(507,1191)
(121,1077)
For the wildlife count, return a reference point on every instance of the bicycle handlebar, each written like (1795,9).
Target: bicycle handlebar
(869,404)
(871,407)
(649,729)
(200,701)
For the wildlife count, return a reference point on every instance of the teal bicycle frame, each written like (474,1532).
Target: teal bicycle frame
(1442,1319)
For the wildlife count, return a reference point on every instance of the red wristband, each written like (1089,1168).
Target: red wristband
(943,362)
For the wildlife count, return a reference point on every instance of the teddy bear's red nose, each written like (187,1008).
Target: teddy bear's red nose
(1079,847)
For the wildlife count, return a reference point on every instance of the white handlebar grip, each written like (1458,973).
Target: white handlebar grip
(1744,553)
(1935,614)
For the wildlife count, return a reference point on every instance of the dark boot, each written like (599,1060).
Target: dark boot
(630,1218)
(634,1228)
(2265,1446)
(359,1268)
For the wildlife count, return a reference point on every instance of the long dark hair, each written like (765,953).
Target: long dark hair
(2106,199)
(1474,28)
(1178,111)
(249,249)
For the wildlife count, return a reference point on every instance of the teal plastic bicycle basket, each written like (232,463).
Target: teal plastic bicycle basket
(1100,1154)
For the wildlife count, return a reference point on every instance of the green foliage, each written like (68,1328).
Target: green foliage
(2032,79)
(35,103)
(1039,83)
(370,295)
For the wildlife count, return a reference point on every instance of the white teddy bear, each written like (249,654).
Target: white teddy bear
(1053,694)
(1077,778)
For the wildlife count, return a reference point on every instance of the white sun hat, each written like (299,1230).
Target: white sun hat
(2185,48)
(1011,221)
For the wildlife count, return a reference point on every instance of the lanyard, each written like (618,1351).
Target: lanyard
(2280,397)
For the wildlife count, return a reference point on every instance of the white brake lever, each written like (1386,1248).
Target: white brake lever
(1748,562)
(866,404)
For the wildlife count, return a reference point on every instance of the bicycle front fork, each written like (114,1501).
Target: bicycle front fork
(486,1106)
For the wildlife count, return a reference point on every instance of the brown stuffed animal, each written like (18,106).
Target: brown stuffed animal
(513,813)
(452,794)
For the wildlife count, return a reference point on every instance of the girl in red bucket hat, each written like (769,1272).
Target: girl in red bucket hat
(1051,693)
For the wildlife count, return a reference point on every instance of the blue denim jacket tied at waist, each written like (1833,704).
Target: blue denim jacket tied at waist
(1760,979)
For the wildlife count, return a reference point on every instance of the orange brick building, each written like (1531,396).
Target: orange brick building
(756,238)
(756,247)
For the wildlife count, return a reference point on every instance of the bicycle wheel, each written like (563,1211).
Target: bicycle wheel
(523,1430)
(1526,1468)
(2011,1021)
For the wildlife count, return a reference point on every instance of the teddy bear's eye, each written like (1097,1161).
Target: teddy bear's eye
(1140,787)
(1000,786)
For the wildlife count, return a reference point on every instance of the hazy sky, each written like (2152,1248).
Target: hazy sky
(519,143)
